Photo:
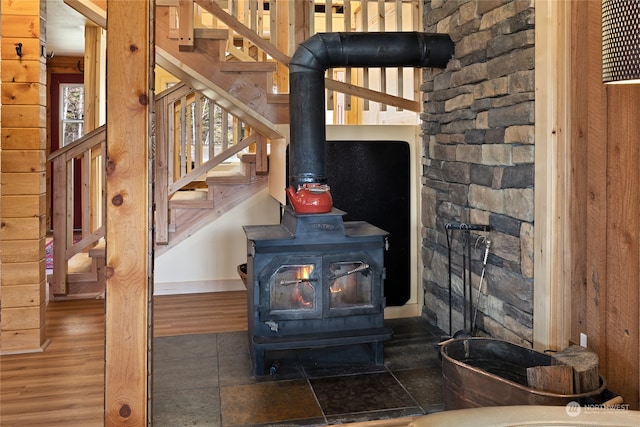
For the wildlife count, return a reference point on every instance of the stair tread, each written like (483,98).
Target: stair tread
(99,250)
(189,195)
(191,199)
(215,173)
(80,263)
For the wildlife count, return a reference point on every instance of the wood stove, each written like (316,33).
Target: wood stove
(315,280)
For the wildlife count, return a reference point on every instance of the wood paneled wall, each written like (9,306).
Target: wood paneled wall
(23,144)
(605,209)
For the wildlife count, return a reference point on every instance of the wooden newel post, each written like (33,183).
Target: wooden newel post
(128,275)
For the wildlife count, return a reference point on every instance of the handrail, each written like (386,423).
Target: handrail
(210,164)
(83,159)
(80,144)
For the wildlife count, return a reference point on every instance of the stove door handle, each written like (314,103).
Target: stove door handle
(297,281)
(363,266)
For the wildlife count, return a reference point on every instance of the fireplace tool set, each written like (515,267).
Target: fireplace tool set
(468,311)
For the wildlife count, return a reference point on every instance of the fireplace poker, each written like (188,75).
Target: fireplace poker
(487,245)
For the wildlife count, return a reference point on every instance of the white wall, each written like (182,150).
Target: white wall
(207,260)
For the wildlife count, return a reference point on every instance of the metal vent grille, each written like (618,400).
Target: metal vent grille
(621,41)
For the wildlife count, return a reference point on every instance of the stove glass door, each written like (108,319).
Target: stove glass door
(350,284)
(354,284)
(291,288)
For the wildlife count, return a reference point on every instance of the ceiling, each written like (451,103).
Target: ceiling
(64,29)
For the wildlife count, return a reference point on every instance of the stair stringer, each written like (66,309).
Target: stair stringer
(226,197)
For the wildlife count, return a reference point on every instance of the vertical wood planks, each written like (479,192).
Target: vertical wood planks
(623,241)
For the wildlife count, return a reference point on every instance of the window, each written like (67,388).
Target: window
(71,112)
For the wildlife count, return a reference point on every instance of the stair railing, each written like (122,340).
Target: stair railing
(271,30)
(193,136)
(80,163)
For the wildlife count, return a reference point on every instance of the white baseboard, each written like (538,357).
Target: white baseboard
(398,312)
(198,287)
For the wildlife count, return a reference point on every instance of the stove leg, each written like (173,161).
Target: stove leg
(258,362)
(378,350)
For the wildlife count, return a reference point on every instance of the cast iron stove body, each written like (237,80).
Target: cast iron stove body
(315,280)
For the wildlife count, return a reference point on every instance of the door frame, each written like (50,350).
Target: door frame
(56,80)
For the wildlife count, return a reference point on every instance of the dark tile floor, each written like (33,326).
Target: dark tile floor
(207,380)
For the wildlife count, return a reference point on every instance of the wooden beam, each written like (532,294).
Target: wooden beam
(93,80)
(185,25)
(128,273)
(552,302)
(94,11)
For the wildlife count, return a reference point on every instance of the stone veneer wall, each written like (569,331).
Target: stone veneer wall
(478,141)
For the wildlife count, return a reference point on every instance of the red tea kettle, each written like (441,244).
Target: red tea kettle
(310,198)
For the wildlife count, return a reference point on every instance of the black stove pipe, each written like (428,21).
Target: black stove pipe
(328,50)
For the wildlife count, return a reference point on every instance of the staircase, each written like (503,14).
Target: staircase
(204,201)
(234,77)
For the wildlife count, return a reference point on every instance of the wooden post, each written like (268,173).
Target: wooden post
(551,295)
(23,144)
(128,275)
(93,80)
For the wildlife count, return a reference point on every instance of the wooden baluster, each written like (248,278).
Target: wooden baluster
(382,28)
(103,184)
(173,23)
(163,164)
(225,129)
(183,138)
(85,191)
(262,164)
(364,11)
(59,225)
(416,16)
(328,21)
(400,71)
(68,238)
(281,30)
(347,74)
(210,130)
(197,130)
(303,22)
(189,140)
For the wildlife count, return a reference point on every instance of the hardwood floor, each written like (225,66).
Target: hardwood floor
(64,385)
(214,312)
